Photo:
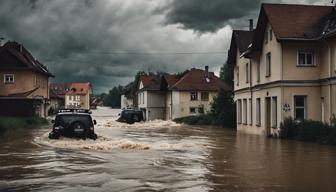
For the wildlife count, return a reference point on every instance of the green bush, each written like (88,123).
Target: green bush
(196,120)
(309,131)
(13,123)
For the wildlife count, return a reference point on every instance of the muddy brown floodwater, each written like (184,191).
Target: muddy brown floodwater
(162,156)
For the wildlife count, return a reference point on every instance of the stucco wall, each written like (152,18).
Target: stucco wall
(290,62)
(25,81)
(186,103)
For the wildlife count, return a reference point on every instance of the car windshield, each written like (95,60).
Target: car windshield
(68,119)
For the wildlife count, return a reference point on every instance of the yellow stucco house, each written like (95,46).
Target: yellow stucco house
(285,67)
(78,96)
(24,87)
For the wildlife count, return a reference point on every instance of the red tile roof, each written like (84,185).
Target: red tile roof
(79,88)
(151,82)
(15,56)
(60,88)
(170,79)
(291,21)
(194,80)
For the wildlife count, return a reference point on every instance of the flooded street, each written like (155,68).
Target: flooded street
(162,156)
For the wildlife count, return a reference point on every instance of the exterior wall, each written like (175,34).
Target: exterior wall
(83,102)
(186,103)
(126,103)
(290,62)
(176,110)
(25,81)
(275,48)
(153,104)
(251,125)
(241,68)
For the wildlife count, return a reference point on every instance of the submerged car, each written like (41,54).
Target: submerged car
(131,116)
(73,123)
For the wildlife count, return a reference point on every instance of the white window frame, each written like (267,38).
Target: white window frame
(9,82)
(306,52)
(258,112)
(245,111)
(250,111)
(247,73)
(305,106)
(274,112)
(193,96)
(239,111)
(268,64)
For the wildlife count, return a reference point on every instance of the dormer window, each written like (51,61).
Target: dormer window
(305,58)
(8,78)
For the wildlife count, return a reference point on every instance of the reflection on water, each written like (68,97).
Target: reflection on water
(194,159)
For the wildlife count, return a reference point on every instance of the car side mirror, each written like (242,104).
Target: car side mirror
(52,121)
(94,122)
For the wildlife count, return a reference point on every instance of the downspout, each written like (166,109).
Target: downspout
(282,88)
(330,87)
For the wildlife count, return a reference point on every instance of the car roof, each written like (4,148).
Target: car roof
(71,113)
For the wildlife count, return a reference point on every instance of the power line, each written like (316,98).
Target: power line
(154,53)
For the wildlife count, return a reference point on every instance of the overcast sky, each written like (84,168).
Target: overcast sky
(107,41)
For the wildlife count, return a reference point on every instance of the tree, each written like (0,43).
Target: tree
(223,108)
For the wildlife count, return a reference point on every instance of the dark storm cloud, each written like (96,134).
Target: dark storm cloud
(211,15)
(86,40)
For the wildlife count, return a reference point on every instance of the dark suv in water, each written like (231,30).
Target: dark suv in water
(73,123)
(131,116)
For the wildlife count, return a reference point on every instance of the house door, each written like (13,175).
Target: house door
(268,116)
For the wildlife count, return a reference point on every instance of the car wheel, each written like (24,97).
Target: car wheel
(53,135)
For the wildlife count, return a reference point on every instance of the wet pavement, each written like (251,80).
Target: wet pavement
(162,156)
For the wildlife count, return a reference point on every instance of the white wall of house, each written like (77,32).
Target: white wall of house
(153,103)
(176,109)
(126,103)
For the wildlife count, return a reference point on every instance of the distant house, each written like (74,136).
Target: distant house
(151,98)
(57,92)
(171,96)
(24,90)
(56,101)
(78,96)
(192,93)
(127,99)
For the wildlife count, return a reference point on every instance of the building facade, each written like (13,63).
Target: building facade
(24,88)
(286,67)
(78,96)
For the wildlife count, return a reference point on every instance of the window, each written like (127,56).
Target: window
(258,72)
(8,78)
(250,111)
(192,110)
(266,37)
(239,112)
(258,112)
(205,96)
(201,110)
(143,98)
(268,64)
(247,73)
(77,98)
(245,112)
(300,108)
(305,58)
(237,76)
(193,96)
(274,112)
(270,34)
